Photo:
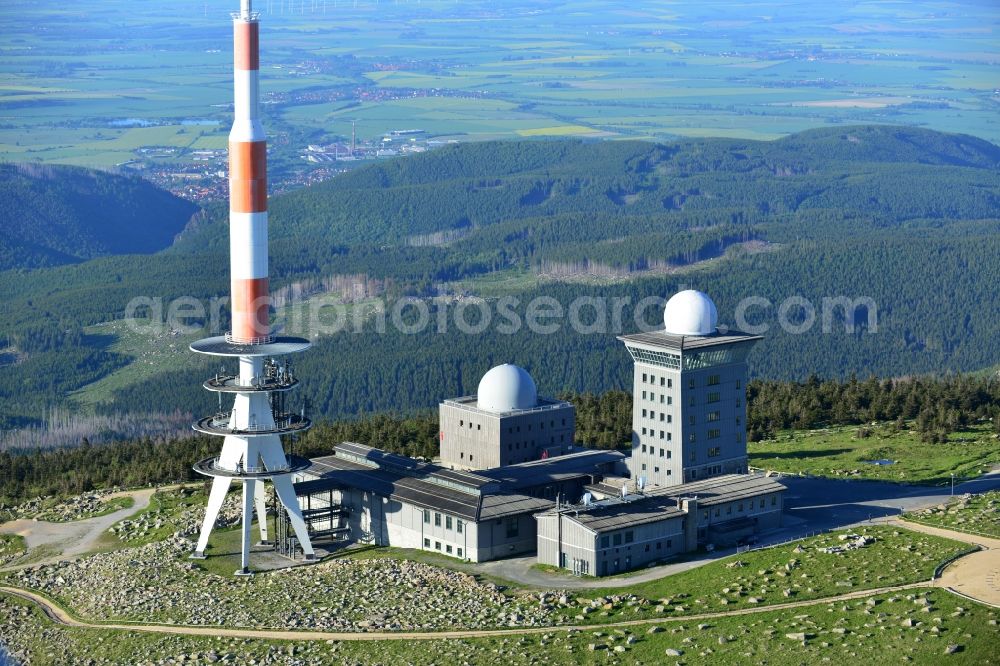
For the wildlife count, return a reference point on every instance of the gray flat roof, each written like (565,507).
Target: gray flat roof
(614,514)
(557,468)
(663,339)
(400,483)
(658,503)
(338,473)
(394,461)
(721,489)
(509,504)
(603,488)
(470,402)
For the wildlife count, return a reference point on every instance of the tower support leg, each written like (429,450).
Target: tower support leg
(286,493)
(248,497)
(220,486)
(258,497)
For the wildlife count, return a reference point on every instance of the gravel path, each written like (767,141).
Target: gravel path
(977,575)
(60,616)
(67,540)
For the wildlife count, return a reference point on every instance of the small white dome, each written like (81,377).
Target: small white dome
(690,312)
(505,388)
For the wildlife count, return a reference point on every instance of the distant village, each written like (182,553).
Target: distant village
(200,175)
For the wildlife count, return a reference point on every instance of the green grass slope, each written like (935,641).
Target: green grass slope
(59,214)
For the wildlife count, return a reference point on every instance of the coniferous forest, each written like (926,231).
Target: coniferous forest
(904,219)
(935,407)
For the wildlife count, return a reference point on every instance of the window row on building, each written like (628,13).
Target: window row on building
(651,432)
(712,380)
(711,417)
(512,429)
(652,449)
(458,523)
(627,537)
(658,358)
(649,378)
(713,433)
(616,539)
(517,446)
(753,505)
(448,548)
(652,397)
(656,469)
(652,414)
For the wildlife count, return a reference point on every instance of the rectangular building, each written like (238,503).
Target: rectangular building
(689,407)
(614,534)
(475,438)
(393,500)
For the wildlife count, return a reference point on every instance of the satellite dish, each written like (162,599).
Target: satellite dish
(587,499)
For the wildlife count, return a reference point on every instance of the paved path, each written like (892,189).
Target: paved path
(71,539)
(824,503)
(976,575)
(522,571)
(59,615)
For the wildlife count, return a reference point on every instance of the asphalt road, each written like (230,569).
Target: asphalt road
(816,504)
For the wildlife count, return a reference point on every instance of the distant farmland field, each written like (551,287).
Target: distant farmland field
(101,82)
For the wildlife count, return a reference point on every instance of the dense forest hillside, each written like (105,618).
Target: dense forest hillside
(905,219)
(626,203)
(934,407)
(60,214)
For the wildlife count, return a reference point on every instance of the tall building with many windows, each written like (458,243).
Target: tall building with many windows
(509,480)
(689,409)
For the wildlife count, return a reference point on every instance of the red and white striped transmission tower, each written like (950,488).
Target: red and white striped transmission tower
(251,451)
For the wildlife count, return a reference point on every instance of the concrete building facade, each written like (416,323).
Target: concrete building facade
(505,423)
(510,480)
(387,499)
(689,410)
(613,534)
(618,535)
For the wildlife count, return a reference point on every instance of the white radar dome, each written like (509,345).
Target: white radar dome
(690,312)
(505,388)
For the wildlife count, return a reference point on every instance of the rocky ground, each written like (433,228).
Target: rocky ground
(342,595)
(178,511)
(69,509)
(920,626)
(978,514)
(11,548)
(826,565)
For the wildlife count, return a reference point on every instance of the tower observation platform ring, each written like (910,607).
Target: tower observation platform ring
(224,345)
(212,467)
(272,379)
(264,382)
(252,451)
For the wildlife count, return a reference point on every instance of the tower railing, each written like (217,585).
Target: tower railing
(233,384)
(216,465)
(260,340)
(220,423)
